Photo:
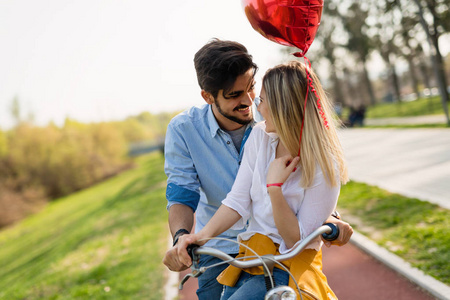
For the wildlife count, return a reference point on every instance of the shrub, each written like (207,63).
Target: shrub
(41,163)
(48,162)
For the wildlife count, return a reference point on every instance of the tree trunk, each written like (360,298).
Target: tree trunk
(424,70)
(410,58)
(440,72)
(392,78)
(426,79)
(438,67)
(352,92)
(395,83)
(413,74)
(337,86)
(368,84)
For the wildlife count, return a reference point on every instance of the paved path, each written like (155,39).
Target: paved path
(427,119)
(354,275)
(411,162)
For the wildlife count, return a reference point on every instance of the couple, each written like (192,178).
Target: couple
(271,195)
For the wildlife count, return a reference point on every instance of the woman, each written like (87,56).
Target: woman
(284,189)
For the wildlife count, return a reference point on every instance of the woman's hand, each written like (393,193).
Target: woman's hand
(285,219)
(345,232)
(281,168)
(183,242)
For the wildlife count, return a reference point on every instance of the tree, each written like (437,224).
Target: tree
(387,52)
(326,37)
(3,144)
(409,51)
(387,30)
(15,110)
(438,9)
(359,41)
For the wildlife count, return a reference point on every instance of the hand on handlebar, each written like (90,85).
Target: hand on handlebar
(345,233)
(183,242)
(171,260)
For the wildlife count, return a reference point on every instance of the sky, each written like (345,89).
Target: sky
(102,60)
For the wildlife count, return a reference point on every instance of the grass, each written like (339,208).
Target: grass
(417,231)
(409,126)
(419,107)
(105,242)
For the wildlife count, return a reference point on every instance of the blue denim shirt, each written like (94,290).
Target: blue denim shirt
(201,163)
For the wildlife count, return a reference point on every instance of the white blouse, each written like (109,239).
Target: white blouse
(249,196)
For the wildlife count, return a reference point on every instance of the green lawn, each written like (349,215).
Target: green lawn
(422,106)
(417,231)
(409,126)
(105,242)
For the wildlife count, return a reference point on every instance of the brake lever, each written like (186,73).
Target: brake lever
(196,271)
(194,274)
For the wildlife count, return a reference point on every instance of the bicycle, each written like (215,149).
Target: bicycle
(329,232)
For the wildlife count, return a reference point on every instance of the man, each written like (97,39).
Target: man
(203,150)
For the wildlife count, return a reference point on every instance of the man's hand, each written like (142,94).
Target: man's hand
(171,260)
(180,216)
(345,232)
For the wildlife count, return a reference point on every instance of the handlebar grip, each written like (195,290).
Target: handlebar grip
(190,250)
(334,234)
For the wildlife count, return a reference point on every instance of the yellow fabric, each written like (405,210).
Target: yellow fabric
(306,268)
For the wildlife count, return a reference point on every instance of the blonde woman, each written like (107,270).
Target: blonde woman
(284,196)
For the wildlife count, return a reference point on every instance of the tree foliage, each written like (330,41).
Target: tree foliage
(38,164)
(402,34)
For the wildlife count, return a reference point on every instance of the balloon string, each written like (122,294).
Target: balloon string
(319,105)
(306,98)
(303,119)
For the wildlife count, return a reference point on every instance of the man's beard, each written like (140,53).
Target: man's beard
(233,118)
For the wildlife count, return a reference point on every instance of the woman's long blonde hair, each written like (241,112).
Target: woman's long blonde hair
(285,86)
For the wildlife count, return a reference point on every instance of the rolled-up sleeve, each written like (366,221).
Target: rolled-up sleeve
(183,186)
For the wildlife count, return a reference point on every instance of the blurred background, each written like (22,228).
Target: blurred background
(86,87)
(83,84)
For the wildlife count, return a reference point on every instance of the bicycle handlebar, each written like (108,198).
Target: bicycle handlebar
(329,231)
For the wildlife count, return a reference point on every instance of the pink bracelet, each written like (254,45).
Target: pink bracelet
(274,184)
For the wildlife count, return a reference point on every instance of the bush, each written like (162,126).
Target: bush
(3,144)
(50,162)
(38,164)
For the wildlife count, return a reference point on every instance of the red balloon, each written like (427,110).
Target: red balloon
(287,22)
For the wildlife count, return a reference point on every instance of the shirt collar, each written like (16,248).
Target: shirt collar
(272,135)
(213,125)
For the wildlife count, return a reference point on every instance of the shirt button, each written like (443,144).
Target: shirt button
(239,163)
(228,142)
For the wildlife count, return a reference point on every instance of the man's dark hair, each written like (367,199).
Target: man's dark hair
(219,63)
